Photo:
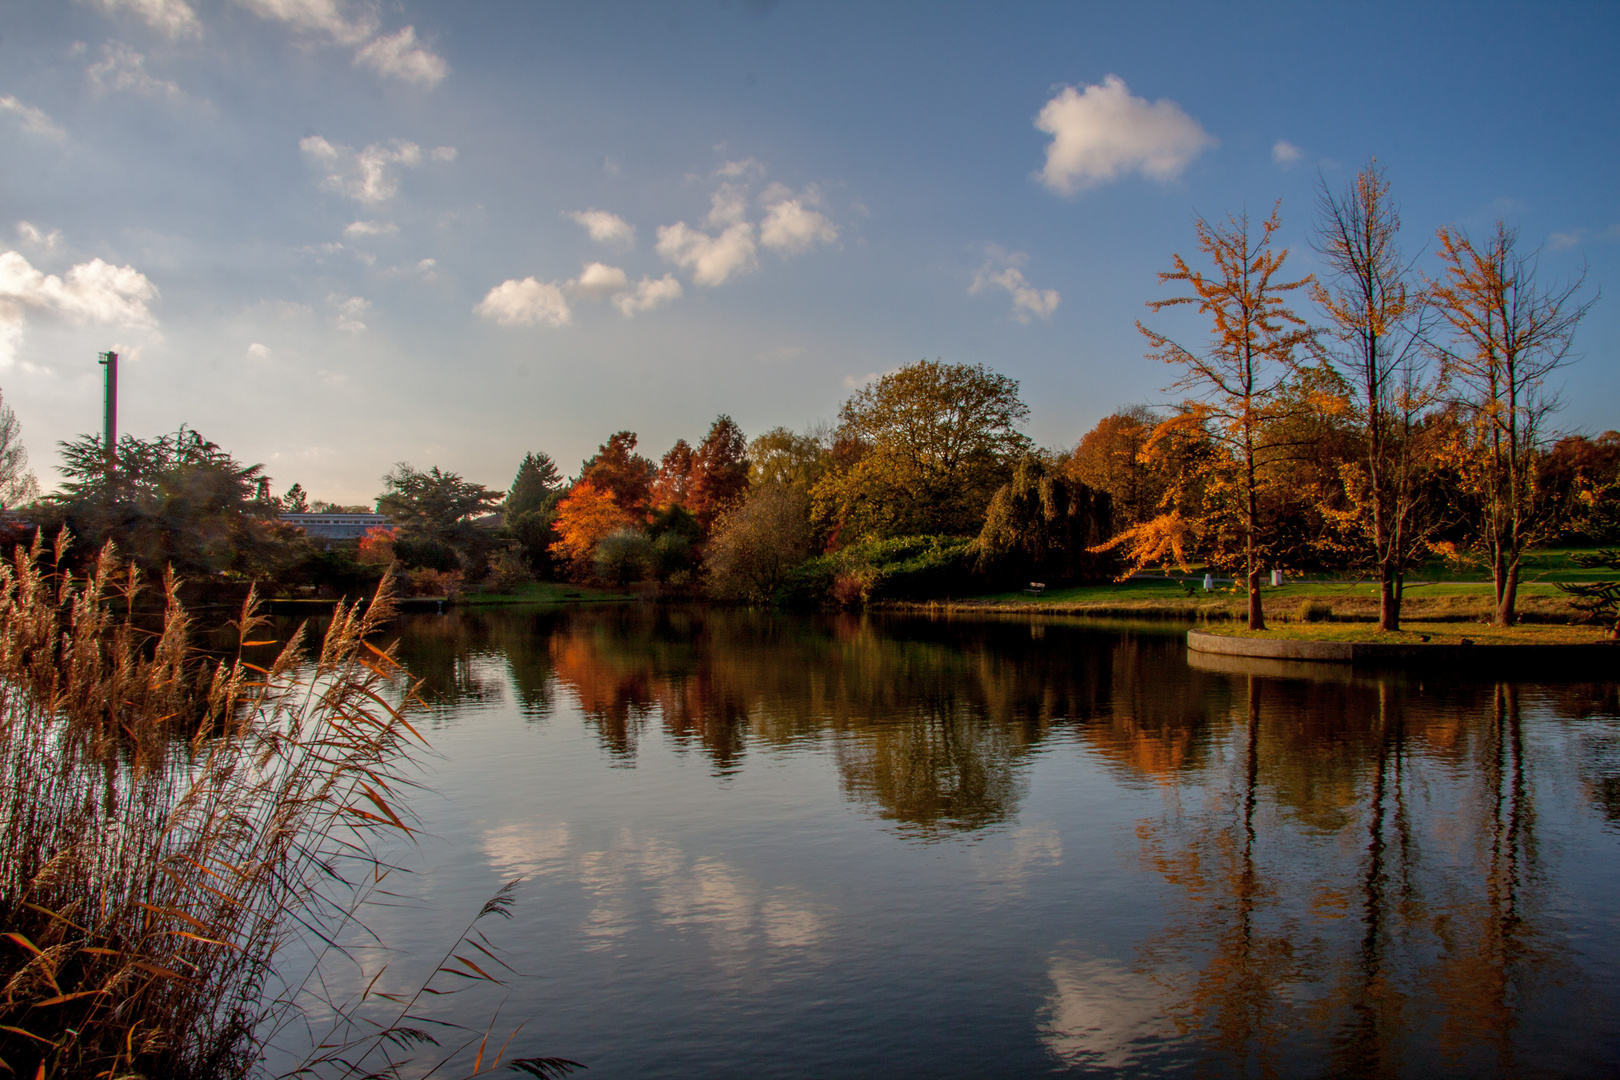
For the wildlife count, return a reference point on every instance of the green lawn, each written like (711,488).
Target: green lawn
(1422,633)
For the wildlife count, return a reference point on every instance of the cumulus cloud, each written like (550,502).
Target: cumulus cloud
(1103,133)
(1284,152)
(524,303)
(728,206)
(1000,271)
(123,70)
(172,17)
(743,169)
(33,235)
(605,228)
(357,229)
(326,18)
(443,153)
(598,280)
(368,176)
(790,226)
(257,351)
(34,121)
(712,259)
(95,291)
(398,56)
(349,312)
(649,294)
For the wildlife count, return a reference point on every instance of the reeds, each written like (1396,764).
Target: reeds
(169,821)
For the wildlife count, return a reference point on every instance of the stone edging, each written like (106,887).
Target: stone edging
(1604,657)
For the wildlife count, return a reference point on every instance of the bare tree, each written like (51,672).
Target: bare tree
(1375,337)
(17,482)
(1508,335)
(1240,376)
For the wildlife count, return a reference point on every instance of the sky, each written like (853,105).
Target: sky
(332,235)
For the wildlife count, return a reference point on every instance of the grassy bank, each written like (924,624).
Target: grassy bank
(546,592)
(1423,633)
(1171,598)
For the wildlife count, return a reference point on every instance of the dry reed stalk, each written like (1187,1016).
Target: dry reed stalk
(169,822)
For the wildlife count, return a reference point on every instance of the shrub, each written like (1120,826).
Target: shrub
(425,553)
(429,582)
(1315,611)
(624,556)
(507,571)
(906,567)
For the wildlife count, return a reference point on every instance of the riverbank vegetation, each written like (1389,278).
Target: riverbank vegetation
(1379,421)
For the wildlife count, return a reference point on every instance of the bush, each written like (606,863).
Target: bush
(756,546)
(1315,611)
(430,582)
(906,567)
(507,572)
(624,556)
(425,553)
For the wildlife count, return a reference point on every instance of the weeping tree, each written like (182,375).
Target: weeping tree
(1042,524)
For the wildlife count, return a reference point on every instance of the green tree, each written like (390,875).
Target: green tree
(781,456)
(537,480)
(434,512)
(173,501)
(924,449)
(296,501)
(1042,524)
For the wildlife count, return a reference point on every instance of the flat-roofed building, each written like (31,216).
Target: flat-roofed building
(338,526)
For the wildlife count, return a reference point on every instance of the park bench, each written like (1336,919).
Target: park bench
(1036,588)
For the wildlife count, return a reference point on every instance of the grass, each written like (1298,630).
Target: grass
(170,821)
(1415,633)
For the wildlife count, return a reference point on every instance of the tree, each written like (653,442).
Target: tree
(585,516)
(755,545)
(1508,335)
(618,469)
(1238,378)
(922,450)
(17,482)
(296,501)
(1377,322)
(780,456)
(434,504)
(536,481)
(1110,458)
(174,501)
(719,476)
(1041,523)
(673,484)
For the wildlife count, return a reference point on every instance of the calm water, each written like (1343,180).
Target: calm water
(762,845)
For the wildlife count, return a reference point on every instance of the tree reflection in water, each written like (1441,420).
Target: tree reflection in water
(1351,867)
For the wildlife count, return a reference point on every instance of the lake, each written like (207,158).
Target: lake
(772,845)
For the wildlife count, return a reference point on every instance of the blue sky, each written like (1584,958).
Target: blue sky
(335,235)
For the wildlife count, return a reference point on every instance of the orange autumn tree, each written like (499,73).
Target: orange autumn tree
(587,515)
(1239,378)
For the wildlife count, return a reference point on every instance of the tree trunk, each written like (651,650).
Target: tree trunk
(1508,594)
(1389,604)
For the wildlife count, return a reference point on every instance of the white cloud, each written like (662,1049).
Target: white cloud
(32,234)
(1104,132)
(728,206)
(598,280)
(524,303)
(256,351)
(367,176)
(743,169)
(1559,241)
(425,267)
(173,17)
(398,56)
(1284,152)
(712,259)
(123,70)
(323,17)
(789,226)
(34,121)
(855,382)
(355,229)
(349,312)
(95,291)
(650,293)
(1028,301)
(605,228)
(443,153)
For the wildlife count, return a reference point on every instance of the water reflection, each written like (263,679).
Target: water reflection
(1353,871)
